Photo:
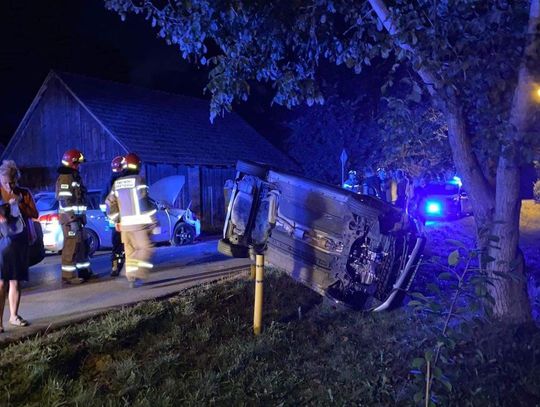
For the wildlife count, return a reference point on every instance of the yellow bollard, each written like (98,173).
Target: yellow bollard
(252,272)
(259,278)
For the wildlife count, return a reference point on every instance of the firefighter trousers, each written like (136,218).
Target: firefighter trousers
(138,250)
(117,254)
(75,262)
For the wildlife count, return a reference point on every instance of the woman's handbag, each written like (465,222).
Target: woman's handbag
(36,250)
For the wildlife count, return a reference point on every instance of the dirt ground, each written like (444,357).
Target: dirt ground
(463,229)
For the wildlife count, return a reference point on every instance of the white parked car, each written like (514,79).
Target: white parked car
(177,226)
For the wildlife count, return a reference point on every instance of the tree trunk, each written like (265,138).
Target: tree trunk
(508,290)
(495,209)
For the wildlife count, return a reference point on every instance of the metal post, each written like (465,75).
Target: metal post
(343,158)
(257,315)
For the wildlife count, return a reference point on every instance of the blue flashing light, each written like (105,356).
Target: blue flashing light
(434,208)
(456,181)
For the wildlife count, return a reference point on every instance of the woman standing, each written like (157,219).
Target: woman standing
(19,209)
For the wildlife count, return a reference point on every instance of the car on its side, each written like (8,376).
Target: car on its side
(356,250)
(176,226)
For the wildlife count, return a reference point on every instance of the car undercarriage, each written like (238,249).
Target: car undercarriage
(356,250)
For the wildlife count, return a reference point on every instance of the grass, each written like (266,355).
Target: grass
(198,349)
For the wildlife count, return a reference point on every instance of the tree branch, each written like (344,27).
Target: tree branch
(464,157)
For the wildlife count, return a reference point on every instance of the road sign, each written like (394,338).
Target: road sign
(343,159)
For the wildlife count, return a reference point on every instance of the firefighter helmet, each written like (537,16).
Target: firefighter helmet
(117,163)
(72,158)
(131,162)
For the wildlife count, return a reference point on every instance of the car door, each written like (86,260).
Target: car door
(163,231)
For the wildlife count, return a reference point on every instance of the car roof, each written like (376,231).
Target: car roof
(51,193)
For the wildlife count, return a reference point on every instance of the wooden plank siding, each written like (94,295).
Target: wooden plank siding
(59,122)
(213,197)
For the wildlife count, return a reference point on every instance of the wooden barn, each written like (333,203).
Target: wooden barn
(171,133)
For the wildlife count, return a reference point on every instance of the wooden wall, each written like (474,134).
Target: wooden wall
(213,196)
(59,123)
(207,198)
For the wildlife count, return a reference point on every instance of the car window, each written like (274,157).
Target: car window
(46,203)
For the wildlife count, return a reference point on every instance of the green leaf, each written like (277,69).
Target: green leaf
(418,363)
(428,355)
(446,383)
(437,372)
(418,397)
(453,258)
(457,243)
(446,276)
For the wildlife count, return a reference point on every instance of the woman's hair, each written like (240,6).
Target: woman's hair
(9,169)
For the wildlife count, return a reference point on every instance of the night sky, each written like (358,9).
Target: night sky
(83,37)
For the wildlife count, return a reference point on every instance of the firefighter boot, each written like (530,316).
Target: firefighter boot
(69,277)
(115,268)
(116,265)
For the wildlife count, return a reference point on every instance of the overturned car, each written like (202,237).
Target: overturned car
(356,250)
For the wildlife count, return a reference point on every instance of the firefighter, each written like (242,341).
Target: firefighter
(71,195)
(129,207)
(352,183)
(372,184)
(117,254)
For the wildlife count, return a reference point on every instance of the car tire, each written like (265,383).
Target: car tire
(250,168)
(232,250)
(93,241)
(183,234)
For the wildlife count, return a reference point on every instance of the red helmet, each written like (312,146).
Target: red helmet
(72,158)
(116,163)
(131,162)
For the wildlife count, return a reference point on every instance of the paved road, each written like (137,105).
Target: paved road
(51,304)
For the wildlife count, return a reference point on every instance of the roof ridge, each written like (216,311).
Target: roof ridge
(127,85)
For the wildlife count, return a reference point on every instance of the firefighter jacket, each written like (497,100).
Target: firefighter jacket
(71,196)
(128,204)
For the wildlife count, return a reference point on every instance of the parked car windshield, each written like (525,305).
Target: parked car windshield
(46,203)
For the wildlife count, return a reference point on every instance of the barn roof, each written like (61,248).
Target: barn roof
(169,128)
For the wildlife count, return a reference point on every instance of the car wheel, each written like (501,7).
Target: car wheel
(232,250)
(254,169)
(183,234)
(93,241)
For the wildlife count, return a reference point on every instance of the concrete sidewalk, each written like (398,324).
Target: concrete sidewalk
(53,306)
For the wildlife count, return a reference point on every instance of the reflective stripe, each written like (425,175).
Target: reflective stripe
(83,265)
(71,233)
(113,216)
(145,264)
(75,184)
(65,162)
(144,219)
(68,268)
(135,201)
(131,269)
(142,186)
(64,186)
(75,208)
(65,193)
